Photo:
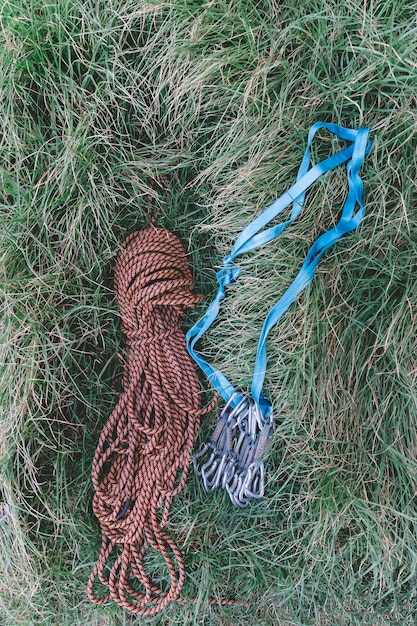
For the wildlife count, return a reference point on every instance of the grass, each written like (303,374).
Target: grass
(99,102)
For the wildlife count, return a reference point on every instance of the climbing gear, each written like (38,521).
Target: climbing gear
(234,457)
(237,467)
(144,450)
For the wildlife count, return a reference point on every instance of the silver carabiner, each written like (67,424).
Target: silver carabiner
(239,445)
(236,415)
(212,477)
(254,484)
(234,491)
(209,445)
(248,484)
(207,471)
(255,419)
(230,471)
(248,451)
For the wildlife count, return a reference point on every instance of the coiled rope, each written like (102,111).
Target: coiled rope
(144,450)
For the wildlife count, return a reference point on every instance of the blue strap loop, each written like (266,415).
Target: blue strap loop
(253,237)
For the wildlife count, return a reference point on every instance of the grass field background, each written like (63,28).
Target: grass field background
(100,101)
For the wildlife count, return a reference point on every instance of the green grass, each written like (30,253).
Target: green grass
(100,101)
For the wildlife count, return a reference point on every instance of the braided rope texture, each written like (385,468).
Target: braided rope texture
(144,450)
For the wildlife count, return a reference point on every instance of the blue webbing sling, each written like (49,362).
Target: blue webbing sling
(234,457)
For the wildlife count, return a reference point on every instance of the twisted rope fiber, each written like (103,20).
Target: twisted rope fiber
(144,450)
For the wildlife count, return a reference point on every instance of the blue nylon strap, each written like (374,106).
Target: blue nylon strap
(248,240)
(251,238)
(225,277)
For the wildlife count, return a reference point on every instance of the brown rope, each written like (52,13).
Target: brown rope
(144,450)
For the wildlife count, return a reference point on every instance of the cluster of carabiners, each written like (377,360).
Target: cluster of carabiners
(234,457)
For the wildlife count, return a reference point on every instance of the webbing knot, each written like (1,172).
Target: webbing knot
(227,275)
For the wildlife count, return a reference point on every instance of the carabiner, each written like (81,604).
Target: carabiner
(254,484)
(230,471)
(209,445)
(213,476)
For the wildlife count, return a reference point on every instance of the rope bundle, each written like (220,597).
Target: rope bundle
(144,450)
